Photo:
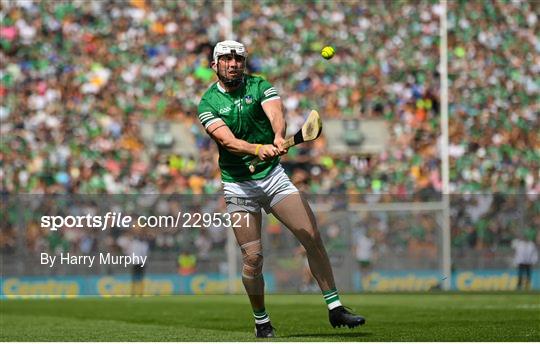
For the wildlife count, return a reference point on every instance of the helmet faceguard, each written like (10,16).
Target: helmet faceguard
(235,49)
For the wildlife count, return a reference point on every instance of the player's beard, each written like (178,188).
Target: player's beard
(233,81)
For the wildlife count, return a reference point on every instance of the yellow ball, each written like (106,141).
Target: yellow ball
(328,52)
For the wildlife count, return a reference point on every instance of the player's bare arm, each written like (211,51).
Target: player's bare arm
(221,133)
(274,111)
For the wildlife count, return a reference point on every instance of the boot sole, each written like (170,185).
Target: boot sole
(349,325)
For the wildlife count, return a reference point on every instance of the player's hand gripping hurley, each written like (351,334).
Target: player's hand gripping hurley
(311,129)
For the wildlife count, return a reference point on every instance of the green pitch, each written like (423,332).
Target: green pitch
(390,317)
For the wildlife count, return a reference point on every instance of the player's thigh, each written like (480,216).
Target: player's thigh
(247,227)
(296,214)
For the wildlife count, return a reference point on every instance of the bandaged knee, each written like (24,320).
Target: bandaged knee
(253,259)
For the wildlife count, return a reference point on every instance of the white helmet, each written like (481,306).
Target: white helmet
(229,47)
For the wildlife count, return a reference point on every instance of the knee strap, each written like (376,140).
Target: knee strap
(252,258)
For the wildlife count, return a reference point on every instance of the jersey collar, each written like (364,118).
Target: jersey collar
(220,88)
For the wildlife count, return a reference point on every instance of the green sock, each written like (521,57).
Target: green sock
(261,316)
(331,297)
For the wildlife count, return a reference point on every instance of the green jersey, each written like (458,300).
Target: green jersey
(242,112)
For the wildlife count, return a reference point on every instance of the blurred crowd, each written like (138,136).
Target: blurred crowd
(483,225)
(80,77)
(494,57)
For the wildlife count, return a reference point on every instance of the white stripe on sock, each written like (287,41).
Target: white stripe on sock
(334,304)
(330,295)
(263,321)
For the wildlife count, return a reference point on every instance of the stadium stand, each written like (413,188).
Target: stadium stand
(82,80)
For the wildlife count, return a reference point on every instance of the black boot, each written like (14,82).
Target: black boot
(340,316)
(264,330)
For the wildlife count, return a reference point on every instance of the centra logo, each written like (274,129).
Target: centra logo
(227,109)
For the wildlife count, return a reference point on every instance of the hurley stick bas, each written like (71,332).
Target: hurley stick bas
(311,129)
